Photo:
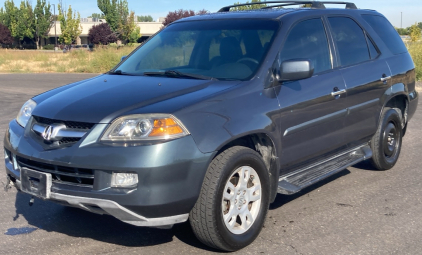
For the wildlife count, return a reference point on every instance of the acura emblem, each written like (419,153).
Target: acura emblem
(51,132)
(48,132)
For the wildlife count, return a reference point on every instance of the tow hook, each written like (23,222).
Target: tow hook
(9,184)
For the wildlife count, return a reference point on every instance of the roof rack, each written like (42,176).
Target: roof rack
(314,4)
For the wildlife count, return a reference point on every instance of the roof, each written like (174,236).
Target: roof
(257,13)
(269,13)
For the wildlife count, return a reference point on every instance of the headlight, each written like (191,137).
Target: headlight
(145,127)
(26,112)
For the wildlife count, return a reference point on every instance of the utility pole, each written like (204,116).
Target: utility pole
(401,23)
(55,29)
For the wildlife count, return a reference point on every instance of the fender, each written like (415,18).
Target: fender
(398,89)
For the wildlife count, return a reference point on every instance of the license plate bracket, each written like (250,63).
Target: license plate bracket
(36,183)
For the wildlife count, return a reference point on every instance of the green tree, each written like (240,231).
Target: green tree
(97,16)
(402,31)
(2,16)
(10,16)
(249,7)
(70,25)
(420,25)
(129,31)
(109,9)
(145,18)
(415,33)
(43,20)
(25,26)
(123,23)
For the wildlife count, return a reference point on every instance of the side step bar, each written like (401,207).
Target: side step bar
(302,178)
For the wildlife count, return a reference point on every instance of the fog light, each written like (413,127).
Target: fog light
(124,180)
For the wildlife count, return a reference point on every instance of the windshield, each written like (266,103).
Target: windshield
(220,49)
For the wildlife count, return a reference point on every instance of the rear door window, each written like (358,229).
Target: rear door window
(387,33)
(350,40)
(308,40)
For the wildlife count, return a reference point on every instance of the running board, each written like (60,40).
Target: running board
(302,178)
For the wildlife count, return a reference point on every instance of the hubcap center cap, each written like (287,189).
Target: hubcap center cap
(241,201)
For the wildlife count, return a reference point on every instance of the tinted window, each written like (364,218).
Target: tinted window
(387,33)
(372,50)
(350,41)
(308,40)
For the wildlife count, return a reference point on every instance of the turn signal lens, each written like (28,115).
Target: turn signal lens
(165,128)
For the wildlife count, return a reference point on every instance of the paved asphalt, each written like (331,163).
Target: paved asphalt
(358,211)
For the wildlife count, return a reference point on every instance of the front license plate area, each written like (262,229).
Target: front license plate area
(36,183)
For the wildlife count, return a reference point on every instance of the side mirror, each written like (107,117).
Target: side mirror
(123,58)
(296,69)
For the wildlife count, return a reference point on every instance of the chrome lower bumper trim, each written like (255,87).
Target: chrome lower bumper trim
(114,209)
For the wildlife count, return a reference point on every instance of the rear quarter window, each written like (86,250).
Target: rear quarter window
(387,33)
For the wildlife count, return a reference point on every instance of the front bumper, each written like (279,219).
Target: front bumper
(170,176)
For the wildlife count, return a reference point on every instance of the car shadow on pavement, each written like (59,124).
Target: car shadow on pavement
(284,199)
(365,165)
(78,223)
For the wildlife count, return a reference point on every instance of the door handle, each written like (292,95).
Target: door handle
(384,79)
(338,93)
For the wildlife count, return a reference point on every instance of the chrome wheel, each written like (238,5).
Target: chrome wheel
(241,200)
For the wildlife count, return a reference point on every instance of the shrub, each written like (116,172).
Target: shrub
(102,34)
(176,15)
(415,49)
(5,36)
(48,47)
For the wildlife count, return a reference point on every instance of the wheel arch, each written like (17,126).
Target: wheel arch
(396,97)
(264,144)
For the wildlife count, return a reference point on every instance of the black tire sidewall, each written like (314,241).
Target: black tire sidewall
(391,115)
(242,158)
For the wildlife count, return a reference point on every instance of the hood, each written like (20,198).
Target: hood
(103,98)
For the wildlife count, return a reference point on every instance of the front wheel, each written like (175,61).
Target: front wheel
(386,143)
(234,200)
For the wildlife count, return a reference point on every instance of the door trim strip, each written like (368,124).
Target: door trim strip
(314,122)
(330,117)
(363,106)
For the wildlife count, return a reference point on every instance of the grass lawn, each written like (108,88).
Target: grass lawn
(77,61)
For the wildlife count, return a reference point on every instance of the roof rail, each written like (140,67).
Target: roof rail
(314,4)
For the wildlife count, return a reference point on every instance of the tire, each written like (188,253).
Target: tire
(387,141)
(213,226)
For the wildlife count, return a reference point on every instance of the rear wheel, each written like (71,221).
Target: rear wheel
(234,200)
(386,143)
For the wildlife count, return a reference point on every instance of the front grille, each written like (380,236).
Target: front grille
(61,174)
(68,140)
(69,124)
(65,141)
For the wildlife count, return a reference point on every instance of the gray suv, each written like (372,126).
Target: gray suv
(213,116)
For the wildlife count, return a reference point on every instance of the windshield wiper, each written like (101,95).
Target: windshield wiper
(177,74)
(119,72)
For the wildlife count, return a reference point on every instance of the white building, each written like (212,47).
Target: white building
(147,29)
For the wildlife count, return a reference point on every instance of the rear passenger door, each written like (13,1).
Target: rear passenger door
(312,118)
(362,70)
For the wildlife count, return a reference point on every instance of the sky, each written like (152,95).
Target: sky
(411,9)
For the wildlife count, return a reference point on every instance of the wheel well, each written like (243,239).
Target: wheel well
(264,145)
(401,103)
(261,143)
